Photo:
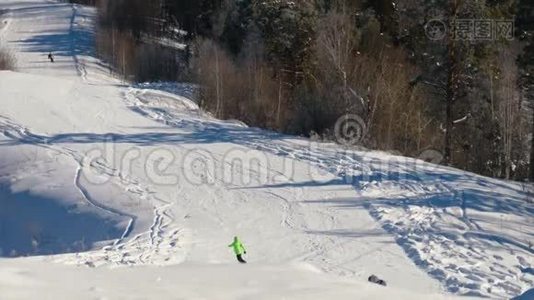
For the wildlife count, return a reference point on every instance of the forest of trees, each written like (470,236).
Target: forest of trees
(129,37)
(454,76)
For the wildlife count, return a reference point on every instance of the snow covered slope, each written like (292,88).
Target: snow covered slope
(96,176)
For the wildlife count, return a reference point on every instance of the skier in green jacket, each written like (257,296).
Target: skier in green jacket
(239,249)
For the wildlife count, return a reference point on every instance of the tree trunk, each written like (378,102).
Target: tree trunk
(451,97)
(452,86)
(531,173)
(279,101)
(217,84)
(448,125)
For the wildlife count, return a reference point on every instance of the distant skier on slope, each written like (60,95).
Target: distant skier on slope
(239,249)
(50,57)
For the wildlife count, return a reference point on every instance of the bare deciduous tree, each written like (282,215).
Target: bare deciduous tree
(509,106)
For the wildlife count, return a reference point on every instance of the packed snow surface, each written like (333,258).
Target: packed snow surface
(110,190)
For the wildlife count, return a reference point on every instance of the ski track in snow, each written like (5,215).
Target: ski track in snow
(149,247)
(85,193)
(80,68)
(420,232)
(150,103)
(435,214)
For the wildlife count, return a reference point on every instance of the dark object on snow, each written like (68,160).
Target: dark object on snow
(240,259)
(376,280)
(50,57)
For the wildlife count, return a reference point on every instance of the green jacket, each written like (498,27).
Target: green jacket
(238,246)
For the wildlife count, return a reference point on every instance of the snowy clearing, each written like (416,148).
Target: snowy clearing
(116,191)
